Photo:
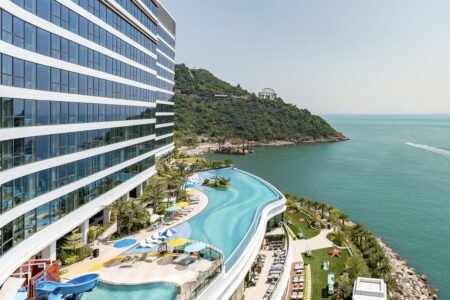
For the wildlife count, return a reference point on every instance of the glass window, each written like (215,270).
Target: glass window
(7,195)
(73,112)
(56,12)
(29,149)
(82,85)
(30,223)
(64,112)
(43,112)
(29,182)
(43,9)
(43,41)
(82,112)
(82,58)
(73,22)
(30,112)
(42,149)
(54,147)
(56,79)
(30,5)
(83,27)
(63,143)
(18,187)
(18,112)
(19,34)
(30,75)
(64,49)
(73,83)
(64,17)
(55,110)
(43,78)
(43,211)
(73,52)
(30,37)
(7,27)
(64,81)
(19,73)
(7,69)
(56,46)
(72,142)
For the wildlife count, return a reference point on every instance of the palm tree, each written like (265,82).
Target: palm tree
(344,218)
(122,208)
(301,201)
(322,206)
(153,194)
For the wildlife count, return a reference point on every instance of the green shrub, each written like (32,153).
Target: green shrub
(93,233)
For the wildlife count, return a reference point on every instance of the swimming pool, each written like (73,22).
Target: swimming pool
(230,212)
(159,290)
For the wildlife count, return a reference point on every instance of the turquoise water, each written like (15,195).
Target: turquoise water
(155,291)
(399,191)
(229,214)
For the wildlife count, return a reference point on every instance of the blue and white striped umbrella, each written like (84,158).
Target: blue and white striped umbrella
(168,232)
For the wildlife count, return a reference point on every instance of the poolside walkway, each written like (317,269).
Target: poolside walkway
(108,251)
(258,291)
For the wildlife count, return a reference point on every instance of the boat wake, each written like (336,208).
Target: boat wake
(441,151)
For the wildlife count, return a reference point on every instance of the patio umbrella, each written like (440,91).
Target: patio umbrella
(195,247)
(191,192)
(154,217)
(172,208)
(182,204)
(168,232)
(176,242)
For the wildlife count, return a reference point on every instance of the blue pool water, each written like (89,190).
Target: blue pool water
(124,243)
(157,291)
(229,214)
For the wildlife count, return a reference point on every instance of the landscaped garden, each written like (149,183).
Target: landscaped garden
(298,223)
(319,275)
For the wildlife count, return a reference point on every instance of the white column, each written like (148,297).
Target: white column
(139,190)
(106,215)
(84,229)
(49,252)
(126,197)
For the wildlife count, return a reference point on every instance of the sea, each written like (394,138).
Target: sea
(393,176)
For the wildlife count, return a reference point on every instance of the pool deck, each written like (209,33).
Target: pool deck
(142,272)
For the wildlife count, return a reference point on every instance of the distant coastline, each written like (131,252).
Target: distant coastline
(205,147)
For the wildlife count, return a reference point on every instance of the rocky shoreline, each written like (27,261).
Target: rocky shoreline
(203,148)
(410,284)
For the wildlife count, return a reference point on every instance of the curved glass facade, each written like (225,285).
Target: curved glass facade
(76,101)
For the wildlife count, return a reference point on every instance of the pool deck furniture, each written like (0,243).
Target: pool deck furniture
(108,252)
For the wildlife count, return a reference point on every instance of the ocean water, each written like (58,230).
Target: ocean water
(393,176)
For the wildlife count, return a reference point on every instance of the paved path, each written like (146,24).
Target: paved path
(318,242)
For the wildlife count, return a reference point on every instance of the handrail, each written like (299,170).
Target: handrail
(286,261)
(205,277)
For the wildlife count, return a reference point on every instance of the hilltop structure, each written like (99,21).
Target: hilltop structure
(267,94)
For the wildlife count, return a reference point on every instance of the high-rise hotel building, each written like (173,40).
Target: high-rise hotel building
(86,107)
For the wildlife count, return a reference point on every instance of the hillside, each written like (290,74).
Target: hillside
(244,118)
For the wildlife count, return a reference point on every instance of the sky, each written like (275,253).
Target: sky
(331,57)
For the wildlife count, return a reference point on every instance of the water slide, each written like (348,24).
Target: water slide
(72,288)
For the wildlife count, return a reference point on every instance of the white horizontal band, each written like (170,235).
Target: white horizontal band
(23,93)
(162,114)
(165,55)
(166,149)
(165,68)
(160,137)
(22,132)
(164,102)
(164,125)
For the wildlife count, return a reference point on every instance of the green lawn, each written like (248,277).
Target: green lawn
(319,276)
(297,226)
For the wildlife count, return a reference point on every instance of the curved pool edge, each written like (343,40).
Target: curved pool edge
(226,283)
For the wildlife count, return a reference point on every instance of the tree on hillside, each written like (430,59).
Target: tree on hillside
(73,242)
